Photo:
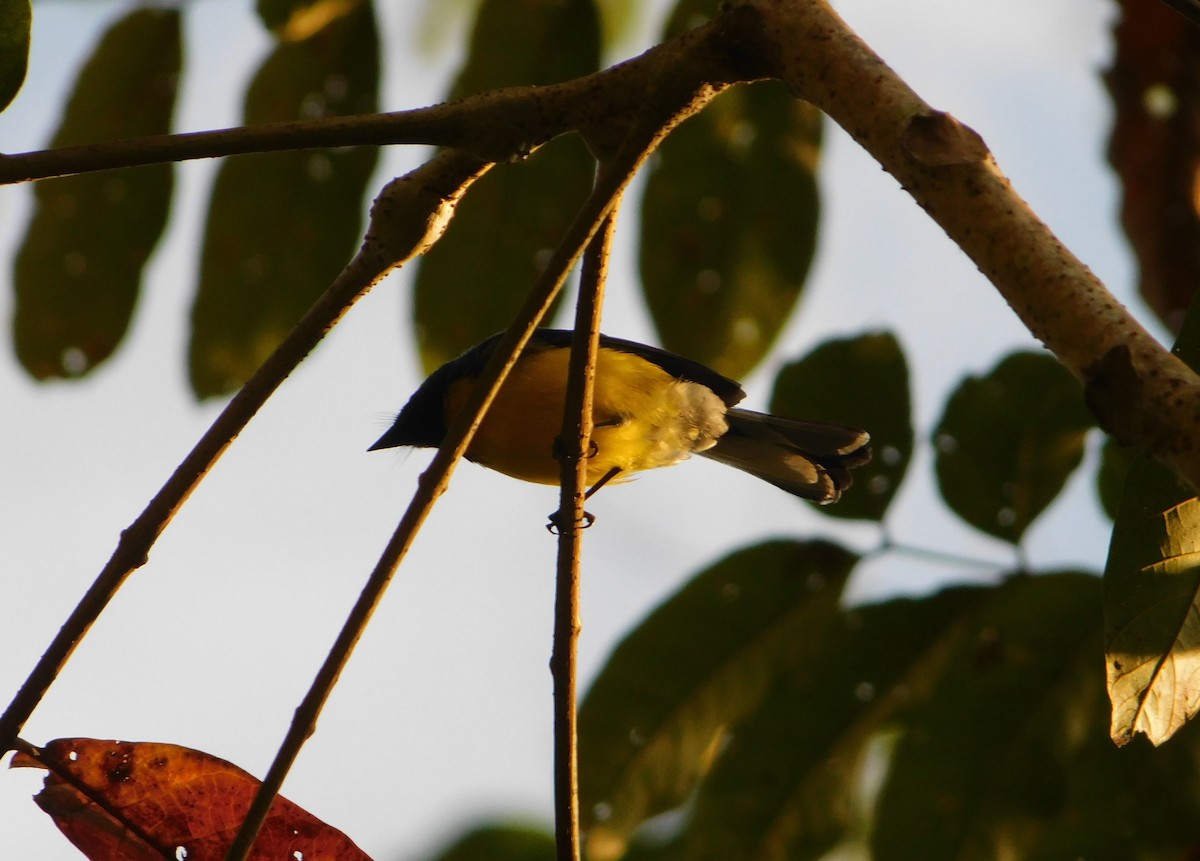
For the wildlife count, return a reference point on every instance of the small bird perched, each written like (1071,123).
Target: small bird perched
(651,408)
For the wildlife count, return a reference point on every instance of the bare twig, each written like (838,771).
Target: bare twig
(575,443)
(435,479)
(407,218)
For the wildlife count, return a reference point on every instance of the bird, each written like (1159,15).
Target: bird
(651,409)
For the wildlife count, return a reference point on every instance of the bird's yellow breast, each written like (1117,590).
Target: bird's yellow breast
(643,417)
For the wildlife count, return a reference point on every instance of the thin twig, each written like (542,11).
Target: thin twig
(941,557)
(575,443)
(434,480)
(408,216)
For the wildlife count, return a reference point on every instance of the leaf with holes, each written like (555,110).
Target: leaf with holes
(145,801)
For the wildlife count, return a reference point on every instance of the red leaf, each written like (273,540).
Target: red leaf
(145,801)
(1155,148)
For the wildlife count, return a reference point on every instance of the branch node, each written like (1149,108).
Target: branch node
(937,139)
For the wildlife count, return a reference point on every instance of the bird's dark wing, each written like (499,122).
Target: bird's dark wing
(677,366)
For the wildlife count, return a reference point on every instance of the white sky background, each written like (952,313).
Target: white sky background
(443,715)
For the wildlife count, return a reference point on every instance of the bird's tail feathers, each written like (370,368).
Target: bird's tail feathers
(811,460)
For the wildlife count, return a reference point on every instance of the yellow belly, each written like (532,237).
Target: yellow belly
(644,418)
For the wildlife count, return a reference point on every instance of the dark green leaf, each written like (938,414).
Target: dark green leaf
(1115,463)
(477,276)
(1135,803)
(860,382)
(79,268)
(500,842)
(282,225)
(729,221)
(987,758)
(786,785)
(15,17)
(1008,441)
(654,718)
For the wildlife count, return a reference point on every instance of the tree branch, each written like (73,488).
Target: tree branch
(496,126)
(1141,392)
(648,128)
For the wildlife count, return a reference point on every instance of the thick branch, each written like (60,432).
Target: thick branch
(496,126)
(1140,391)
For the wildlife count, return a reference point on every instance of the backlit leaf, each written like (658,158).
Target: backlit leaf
(860,382)
(79,268)
(473,281)
(656,716)
(1008,441)
(1152,593)
(282,225)
(164,801)
(1151,603)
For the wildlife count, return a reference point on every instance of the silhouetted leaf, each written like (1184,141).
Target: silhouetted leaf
(15,17)
(1008,441)
(729,219)
(654,718)
(987,758)
(282,225)
(1115,463)
(473,281)
(79,268)
(785,785)
(500,842)
(1155,149)
(166,801)
(859,382)
(1126,804)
